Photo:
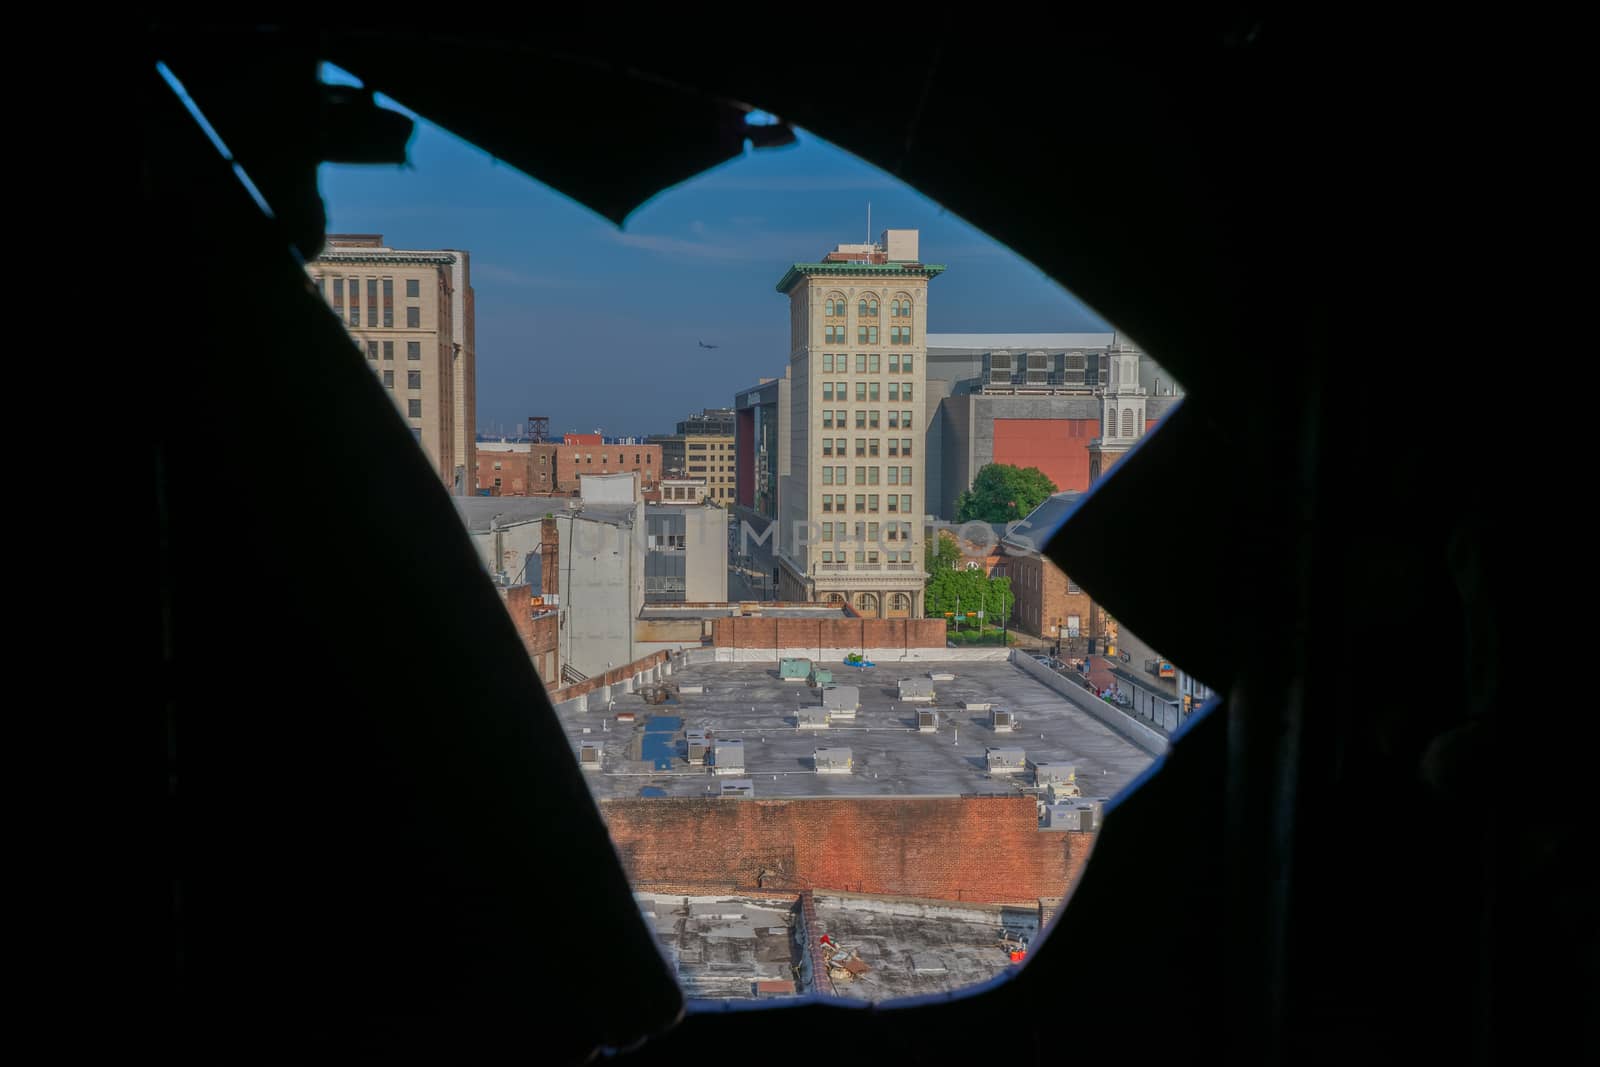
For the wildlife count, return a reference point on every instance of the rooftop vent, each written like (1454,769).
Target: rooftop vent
(1006,760)
(832,760)
(1081,816)
(589,755)
(820,677)
(1003,722)
(736,788)
(941,676)
(927,720)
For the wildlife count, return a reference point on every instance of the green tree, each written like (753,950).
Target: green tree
(945,557)
(1001,493)
(963,590)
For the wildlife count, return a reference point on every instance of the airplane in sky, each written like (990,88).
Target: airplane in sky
(704,345)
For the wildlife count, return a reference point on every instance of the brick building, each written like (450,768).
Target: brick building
(521,468)
(535,617)
(1050,604)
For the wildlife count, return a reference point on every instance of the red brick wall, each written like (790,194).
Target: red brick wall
(611,677)
(979,849)
(1041,589)
(571,462)
(741,632)
(1059,447)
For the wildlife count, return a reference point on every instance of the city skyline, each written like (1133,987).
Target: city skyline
(570,307)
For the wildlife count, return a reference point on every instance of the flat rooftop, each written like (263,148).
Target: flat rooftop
(914,948)
(748,702)
(726,947)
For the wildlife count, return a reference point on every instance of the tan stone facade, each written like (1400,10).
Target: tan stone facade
(711,458)
(851,509)
(410,313)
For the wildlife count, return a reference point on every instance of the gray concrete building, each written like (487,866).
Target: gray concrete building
(686,554)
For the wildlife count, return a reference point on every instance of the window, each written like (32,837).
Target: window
(861,555)
(831,334)
(827,420)
(894,390)
(894,362)
(905,418)
(840,479)
(872,392)
(872,418)
(905,361)
(413,318)
(496,464)
(413,349)
(414,408)
(1127,422)
(840,444)
(827,531)
(497,483)
(867,308)
(861,446)
(827,498)
(861,503)
(827,446)
(861,420)
(872,475)
(861,335)
(827,361)
(861,363)
(861,392)
(905,391)
(413,288)
(872,555)
(893,500)
(372,350)
(893,471)
(827,475)
(827,555)
(872,335)
(905,506)
(894,444)
(894,418)
(905,446)
(872,362)
(388,379)
(355,301)
(872,447)
(872,502)
(388,350)
(413,379)
(840,389)
(861,476)
(338,298)
(905,475)
(827,390)
(372,301)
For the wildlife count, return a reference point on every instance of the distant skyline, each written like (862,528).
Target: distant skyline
(598,327)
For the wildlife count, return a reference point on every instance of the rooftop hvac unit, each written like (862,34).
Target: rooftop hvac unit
(794,670)
(832,760)
(914,690)
(1054,773)
(841,701)
(728,756)
(1038,368)
(927,720)
(811,719)
(1081,816)
(941,676)
(1006,760)
(589,755)
(820,677)
(1003,722)
(697,745)
(736,788)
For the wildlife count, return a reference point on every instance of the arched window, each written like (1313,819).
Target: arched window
(867,604)
(1127,422)
(872,309)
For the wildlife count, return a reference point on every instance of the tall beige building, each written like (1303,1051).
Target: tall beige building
(850,510)
(411,313)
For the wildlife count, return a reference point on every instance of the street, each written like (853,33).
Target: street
(749,576)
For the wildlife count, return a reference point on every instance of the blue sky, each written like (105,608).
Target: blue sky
(597,326)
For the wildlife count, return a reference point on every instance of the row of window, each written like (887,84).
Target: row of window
(898,446)
(865,503)
(868,556)
(867,362)
(865,335)
(866,475)
(866,392)
(867,307)
(413,314)
(413,349)
(865,420)
(413,379)
(867,531)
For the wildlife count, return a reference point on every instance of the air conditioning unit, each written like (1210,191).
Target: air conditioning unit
(927,720)
(589,755)
(1002,722)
